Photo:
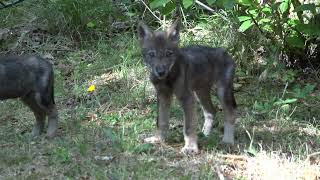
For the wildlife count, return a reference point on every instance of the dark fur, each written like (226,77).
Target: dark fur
(31,79)
(188,72)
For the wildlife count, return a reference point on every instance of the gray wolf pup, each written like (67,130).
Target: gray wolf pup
(31,79)
(189,73)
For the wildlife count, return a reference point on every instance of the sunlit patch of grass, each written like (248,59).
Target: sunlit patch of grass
(275,166)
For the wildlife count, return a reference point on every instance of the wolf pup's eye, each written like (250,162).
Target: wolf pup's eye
(169,53)
(151,54)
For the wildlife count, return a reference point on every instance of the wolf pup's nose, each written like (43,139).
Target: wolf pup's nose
(160,71)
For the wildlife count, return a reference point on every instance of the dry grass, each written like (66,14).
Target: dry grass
(265,166)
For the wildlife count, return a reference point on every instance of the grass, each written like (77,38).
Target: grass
(100,134)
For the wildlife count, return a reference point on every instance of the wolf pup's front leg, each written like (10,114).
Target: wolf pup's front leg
(187,101)
(226,97)
(164,101)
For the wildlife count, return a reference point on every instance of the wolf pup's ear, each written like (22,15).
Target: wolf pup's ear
(143,31)
(173,31)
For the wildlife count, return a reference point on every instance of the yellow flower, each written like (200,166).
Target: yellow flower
(91,88)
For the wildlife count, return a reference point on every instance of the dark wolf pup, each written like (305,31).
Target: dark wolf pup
(189,73)
(31,79)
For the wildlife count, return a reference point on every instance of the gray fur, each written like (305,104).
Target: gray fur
(188,72)
(31,79)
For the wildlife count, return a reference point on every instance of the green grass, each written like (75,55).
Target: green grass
(100,134)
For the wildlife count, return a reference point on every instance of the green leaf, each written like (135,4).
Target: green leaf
(130,14)
(305,7)
(244,18)
(229,4)
(253,12)
(266,10)
(91,24)
(245,25)
(275,6)
(295,41)
(210,2)
(300,92)
(158,3)
(168,8)
(251,151)
(308,29)
(285,107)
(245,2)
(267,27)
(187,3)
(287,101)
(293,22)
(309,88)
(264,20)
(284,6)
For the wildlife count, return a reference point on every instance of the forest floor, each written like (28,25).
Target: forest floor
(100,133)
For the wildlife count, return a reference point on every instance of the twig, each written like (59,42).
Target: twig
(204,6)
(314,69)
(293,111)
(9,5)
(47,49)
(256,23)
(150,11)
(284,90)
(209,9)
(218,171)
(6,145)
(313,154)
(182,13)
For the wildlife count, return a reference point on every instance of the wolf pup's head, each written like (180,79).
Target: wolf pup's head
(159,48)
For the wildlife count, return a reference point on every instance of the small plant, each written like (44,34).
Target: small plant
(166,6)
(77,17)
(302,92)
(282,22)
(263,107)
(144,148)
(251,150)
(62,155)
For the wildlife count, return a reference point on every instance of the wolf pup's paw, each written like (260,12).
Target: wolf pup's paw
(52,131)
(228,136)
(190,149)
(36,131)
(51,134)
(154,140)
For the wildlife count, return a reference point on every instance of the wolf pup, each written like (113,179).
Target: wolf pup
(31,79)
(189,73)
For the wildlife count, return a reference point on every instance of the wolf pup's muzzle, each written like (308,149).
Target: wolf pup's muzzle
(161,71)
